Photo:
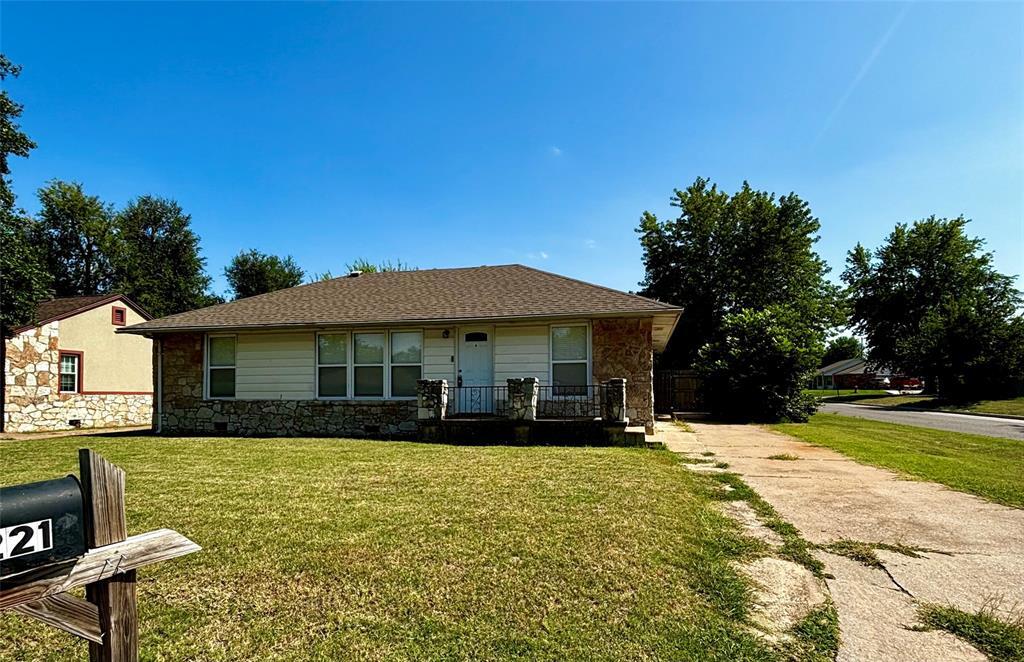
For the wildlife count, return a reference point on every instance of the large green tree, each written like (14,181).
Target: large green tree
(24,280)
(252,272)
(930,303)
(725,255)
(156,260)
(842,348)
(74,233)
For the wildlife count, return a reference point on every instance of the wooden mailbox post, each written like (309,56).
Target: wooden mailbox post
(108,617)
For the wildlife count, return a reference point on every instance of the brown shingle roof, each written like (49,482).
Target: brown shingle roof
(473,293)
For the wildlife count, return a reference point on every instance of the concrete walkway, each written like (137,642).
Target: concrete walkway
(989,426)
(830,497)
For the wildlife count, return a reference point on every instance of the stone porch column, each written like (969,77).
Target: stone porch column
(522,398)
(431,399)
(613,404)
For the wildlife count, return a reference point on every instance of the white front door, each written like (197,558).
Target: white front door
(476,369)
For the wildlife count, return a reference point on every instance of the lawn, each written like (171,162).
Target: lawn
(822,393)
(987,466)
(338,549)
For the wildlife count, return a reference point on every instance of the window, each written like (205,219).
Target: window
(476,336)
(220,361)
(70,372)
(406,362)
(117,316)
(569,360)
(368,364)
(332,365)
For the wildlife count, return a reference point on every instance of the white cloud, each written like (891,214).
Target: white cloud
(589,243)
(539,255)
(555,151)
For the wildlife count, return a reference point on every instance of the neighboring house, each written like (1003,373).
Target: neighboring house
(72,370)
(858,373)
(343,356)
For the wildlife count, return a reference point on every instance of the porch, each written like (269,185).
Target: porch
(522,411)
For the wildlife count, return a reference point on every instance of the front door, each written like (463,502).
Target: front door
(476,370)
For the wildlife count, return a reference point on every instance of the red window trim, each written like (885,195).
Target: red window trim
(81,369)
(113,315)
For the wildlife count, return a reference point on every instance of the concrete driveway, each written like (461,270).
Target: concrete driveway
(1008,428)
(979,557)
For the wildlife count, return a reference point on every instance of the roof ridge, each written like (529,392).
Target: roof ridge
(603,287)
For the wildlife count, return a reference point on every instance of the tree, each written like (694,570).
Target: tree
(24,280)
(728,254)
(841,349)
(367,267)
(157,261)
(931,304)
(757,370)
(252,272)
(74,233)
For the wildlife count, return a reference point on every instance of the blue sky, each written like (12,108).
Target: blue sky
(452,134)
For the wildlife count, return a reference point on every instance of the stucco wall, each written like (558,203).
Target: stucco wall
(112,362)
(33,402)
(625,348)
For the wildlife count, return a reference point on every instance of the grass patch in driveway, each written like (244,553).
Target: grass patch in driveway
(989,467)
(788,457)
(327,549)
(1000,641)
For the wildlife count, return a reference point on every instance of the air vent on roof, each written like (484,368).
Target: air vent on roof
(354,273)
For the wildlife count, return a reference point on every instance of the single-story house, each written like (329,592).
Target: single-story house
(344,356)
(858,373)
(72,370)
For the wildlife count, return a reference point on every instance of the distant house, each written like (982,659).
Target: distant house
(343,356)
(858,373)
(72,370)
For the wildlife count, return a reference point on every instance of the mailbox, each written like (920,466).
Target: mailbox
(41,524)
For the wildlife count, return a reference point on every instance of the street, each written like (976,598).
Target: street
(1007,428)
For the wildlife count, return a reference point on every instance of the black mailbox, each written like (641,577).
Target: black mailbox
(41,524)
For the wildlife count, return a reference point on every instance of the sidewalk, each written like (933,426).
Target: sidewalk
(830,497)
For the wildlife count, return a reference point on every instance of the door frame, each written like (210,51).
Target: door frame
(459,332)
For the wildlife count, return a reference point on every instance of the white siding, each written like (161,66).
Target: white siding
(437,356)
(521,351)
(277,366)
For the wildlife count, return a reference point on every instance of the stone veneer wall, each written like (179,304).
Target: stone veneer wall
(625,348)
(186,412)
(33,402)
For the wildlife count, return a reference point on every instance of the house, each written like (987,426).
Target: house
(344,356)
(847,373)
(858,373)
(72,370)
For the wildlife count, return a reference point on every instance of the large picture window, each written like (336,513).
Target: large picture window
(368,364)
(70,372)
(406,362)
(569,360)
(220,366)
(332,365)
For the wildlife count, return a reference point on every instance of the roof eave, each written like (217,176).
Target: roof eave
(148,331)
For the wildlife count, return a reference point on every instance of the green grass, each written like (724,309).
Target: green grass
(986,466)
(864,552)
(1000,641)
(833,393)
(318,549)
(787,457)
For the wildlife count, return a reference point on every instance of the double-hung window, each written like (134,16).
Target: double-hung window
(220,366)
(332,365)
(406,362)
(368,364)
(569,360)
(70,372)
